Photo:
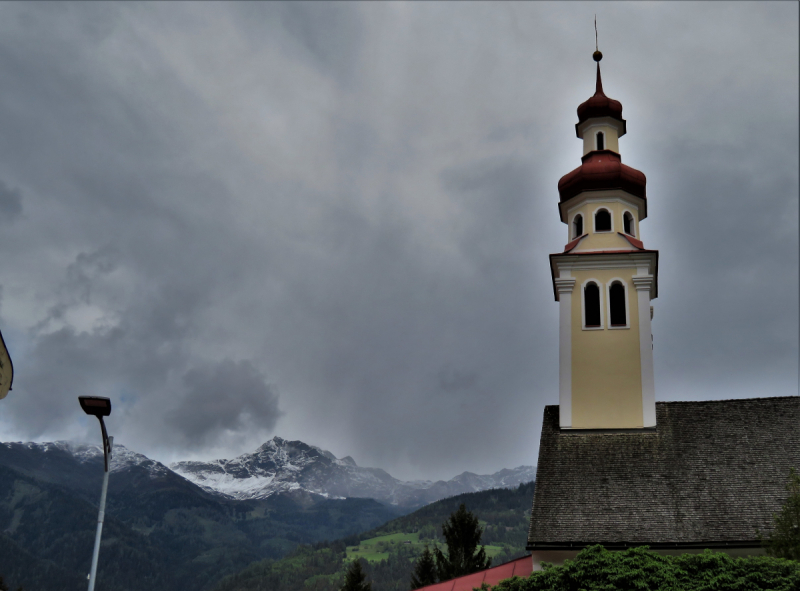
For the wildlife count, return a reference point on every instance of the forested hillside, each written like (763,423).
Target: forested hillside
(390,549)
(159,535)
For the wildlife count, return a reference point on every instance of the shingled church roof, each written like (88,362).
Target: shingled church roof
(711,475)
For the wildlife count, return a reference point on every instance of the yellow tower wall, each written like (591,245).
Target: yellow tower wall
(590,137)
(606,363)
(603,240)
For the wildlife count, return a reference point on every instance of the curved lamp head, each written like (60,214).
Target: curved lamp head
(97,406)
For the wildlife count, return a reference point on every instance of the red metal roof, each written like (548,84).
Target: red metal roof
(637,243)
(600,105)
(574,243)
(522,567)
(602,169)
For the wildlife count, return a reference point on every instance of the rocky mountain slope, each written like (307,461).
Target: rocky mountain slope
(162,532)
(281,466)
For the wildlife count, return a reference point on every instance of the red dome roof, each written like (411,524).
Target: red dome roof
(602,169)
(600,105)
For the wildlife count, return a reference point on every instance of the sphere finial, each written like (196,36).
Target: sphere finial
(597,56)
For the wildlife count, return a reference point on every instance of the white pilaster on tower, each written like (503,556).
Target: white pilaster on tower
(644,284)
(565,287)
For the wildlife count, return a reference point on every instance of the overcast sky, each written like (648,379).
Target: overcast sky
(331,221)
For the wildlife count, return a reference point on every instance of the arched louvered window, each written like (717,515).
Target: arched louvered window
(601,141)
(577,226)
(616,304)
(591,302)
(602,221)
(627,222)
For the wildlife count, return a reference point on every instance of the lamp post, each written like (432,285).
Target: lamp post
(99,407)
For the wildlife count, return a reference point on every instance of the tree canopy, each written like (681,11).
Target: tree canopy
(598,569)
(462,534)
(424,570)
(356,578)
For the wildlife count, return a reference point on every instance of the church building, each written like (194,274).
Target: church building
(616,467)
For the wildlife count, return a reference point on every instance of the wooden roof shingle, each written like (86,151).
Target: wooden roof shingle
(711,475)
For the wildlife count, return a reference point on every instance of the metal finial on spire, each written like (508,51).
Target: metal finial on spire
(597,55)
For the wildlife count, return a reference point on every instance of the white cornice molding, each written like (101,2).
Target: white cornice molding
(565,284)
(643,282)
(608,196)
(617,260)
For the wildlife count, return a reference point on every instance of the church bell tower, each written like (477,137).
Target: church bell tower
(604,281)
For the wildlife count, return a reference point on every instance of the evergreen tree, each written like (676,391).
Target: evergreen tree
(462,534)
(356,578)
(424,570)
(784,541)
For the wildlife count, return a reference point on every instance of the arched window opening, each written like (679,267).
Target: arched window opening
(600,141)
(602,221)
(591,301)
(627,222)
(577,226)
(616,301)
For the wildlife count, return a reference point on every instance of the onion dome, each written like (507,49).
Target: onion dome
(600,105)
(602,170)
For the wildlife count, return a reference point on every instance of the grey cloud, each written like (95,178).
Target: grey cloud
(10,203)
(454,380)
(353,204)
(224,396)
(86,268)
(330,34)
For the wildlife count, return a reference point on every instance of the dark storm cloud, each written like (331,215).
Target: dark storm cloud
(331,221)
(226,396)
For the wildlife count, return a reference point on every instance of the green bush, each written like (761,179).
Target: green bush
(598,569)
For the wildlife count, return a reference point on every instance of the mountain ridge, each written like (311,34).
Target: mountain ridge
(280,465)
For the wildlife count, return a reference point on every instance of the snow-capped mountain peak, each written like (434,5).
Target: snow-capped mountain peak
(286,466)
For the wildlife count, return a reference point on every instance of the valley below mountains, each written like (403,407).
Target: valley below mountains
(187,525)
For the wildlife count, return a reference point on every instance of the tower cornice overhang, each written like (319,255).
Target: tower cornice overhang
(619,124)
(645,261)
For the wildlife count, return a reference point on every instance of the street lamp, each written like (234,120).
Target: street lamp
(99,407)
